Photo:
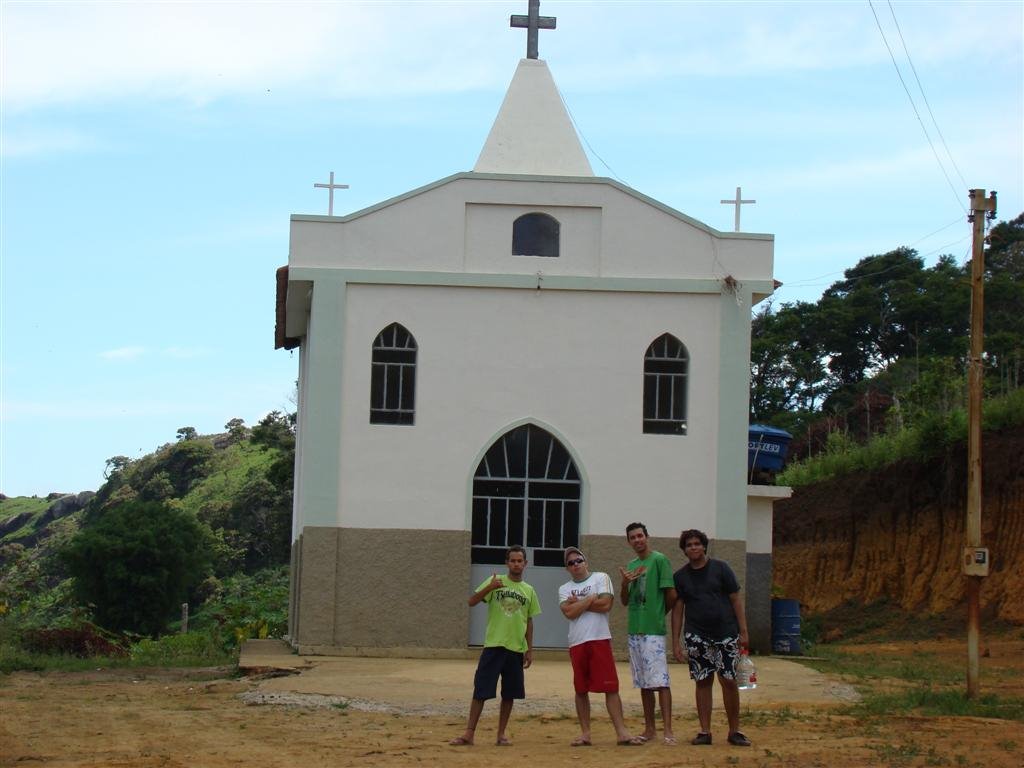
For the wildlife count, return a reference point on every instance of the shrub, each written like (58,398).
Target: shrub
(83,640)
(136,564)
(193,649)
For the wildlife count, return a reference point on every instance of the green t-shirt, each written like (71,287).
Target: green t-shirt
(508,608)
(647,596)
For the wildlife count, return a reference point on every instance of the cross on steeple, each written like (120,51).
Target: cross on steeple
(533,22)
(738,202)
(330,186)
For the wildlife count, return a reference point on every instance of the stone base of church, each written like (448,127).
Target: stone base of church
(358,588)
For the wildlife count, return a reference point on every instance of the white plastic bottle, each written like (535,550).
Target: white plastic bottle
(746,673)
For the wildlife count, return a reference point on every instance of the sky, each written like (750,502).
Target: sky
(151,154)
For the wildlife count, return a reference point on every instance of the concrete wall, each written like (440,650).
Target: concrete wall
(760,576)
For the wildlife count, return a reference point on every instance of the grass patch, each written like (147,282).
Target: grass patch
(924,700)
(868,666)
(15,505)
(195,649)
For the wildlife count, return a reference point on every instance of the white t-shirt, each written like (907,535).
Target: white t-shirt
(589,625)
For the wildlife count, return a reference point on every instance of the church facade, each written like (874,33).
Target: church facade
(520,354)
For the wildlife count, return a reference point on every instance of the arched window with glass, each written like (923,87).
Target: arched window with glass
(393,377)
(666,370)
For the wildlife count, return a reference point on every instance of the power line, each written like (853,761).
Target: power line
(957,195)
(924,96)
(584,137)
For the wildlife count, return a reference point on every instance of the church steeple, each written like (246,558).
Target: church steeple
(533,133)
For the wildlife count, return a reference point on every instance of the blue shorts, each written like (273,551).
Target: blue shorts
(500,662)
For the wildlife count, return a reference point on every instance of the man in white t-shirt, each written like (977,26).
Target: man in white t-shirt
(586,600)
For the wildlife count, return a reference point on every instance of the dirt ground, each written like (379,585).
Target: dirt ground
(136,718)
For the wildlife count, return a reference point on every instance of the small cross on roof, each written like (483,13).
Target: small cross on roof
(533,22)
(330,186)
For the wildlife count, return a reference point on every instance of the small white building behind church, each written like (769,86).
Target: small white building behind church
(520,354)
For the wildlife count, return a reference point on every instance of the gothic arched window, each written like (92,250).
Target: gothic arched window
(535,234)
(666,365)
(393,377)
(526,491)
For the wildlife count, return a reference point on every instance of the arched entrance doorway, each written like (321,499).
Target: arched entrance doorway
(527,491)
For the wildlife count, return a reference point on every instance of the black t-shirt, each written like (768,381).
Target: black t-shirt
(705,595)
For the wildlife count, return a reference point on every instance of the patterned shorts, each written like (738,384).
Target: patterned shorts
(648,661)
(710,656)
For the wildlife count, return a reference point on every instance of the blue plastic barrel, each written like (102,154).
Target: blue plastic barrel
(786,627)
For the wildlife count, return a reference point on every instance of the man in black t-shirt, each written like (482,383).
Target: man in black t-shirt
(715,630)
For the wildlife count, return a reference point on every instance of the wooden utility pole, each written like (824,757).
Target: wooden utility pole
(975,557)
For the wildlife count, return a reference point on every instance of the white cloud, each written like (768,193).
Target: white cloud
(123,353)
(60,52)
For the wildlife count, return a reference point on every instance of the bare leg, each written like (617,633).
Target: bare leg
(665,702)
(731,699)
(614,704)
(476,706)
(647,699)
(504,713)
(583,713)
(703,697)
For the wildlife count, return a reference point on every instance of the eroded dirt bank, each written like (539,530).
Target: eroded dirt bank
(898,534)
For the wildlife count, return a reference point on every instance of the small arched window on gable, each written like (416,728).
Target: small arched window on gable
(666,366)
(535,234)
(393,377)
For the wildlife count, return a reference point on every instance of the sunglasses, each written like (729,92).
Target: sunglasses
(577,561)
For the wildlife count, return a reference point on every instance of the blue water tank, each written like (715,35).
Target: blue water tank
(766,448)
(786,627)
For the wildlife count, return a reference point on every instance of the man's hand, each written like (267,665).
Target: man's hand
(528,658)
(628,577)
(678,652)
(495,582)
(744,640)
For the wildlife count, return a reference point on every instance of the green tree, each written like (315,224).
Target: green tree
(187,433)
(115,465)
(1004,304)
(137,563)
(237,430)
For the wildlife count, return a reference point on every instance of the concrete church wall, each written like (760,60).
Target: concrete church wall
(484,355)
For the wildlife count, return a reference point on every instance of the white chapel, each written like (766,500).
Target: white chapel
(524,353)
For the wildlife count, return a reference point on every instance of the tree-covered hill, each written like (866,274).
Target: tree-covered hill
(189,523)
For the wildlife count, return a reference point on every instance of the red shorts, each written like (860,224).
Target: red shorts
(593,667)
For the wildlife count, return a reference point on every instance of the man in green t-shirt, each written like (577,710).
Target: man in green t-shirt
(648,590)
(508,644)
